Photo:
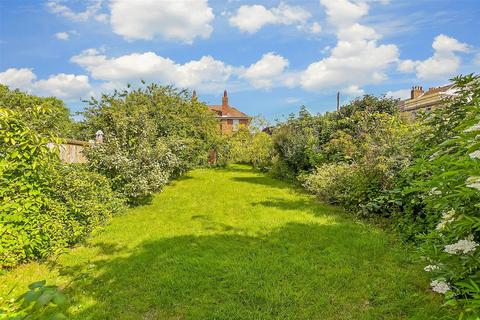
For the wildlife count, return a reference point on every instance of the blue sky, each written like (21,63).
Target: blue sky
(272,56)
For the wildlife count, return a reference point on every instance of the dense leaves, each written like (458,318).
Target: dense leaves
(44,205)
(44,115)
(152,135)
(249,145)
(441,194)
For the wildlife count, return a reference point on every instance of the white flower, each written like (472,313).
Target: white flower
(475,127)
(431,267)
(475,154)
(435,191)
(440,286)
(447,217)
(473,182)
(464,246)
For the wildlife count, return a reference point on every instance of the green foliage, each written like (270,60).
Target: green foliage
(39,302)
(441,194)
(53,119)
(44,205)
(152,135)
(251,146)
(26,169)
(351,157)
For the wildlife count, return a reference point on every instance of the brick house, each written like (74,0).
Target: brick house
(421,100)
(230,118)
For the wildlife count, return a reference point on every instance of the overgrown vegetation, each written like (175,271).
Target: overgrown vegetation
(423,176)
(152,135)
(248,145)
(44,206)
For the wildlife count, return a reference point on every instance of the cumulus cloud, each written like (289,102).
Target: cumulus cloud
(357,59)
(251,18)
(444,62)
(58,8)
(62,36)
(18,78)
(266,71)
(65,86)
(206,73)
(354,91)
(399,94)
(145,19)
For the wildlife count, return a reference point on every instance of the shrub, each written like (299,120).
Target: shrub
(441,196)
(136,175)
(48,116)
(152,135)
(360,162)
(250,145)
(44,206)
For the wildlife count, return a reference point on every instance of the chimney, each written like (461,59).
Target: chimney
(99,137)
(416,92)
(225,103)
(194,95)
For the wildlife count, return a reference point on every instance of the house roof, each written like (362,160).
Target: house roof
(232,112)
(438,89)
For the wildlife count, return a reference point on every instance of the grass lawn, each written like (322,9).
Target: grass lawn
(236,244)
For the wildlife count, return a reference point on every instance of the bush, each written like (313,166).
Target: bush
(48,116)
(152,135)
(358,163)
(441,196)
(44,206)
(249,145)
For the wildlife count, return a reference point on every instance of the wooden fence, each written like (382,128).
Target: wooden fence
(71,150)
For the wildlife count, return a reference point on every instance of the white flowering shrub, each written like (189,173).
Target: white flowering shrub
(152,134)
(441,197)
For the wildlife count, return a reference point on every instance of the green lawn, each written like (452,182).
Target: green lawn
(235,244)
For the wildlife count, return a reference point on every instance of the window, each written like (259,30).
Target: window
(235,124)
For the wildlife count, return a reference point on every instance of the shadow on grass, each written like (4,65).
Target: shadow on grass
(264,181)
(300,271)
(307,205)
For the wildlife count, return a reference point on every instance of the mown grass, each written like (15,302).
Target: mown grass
(236,244)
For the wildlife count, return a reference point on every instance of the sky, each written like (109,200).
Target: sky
(271,56)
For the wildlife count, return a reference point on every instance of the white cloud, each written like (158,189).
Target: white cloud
(315,28)
(62,36)
(407,66)
(399,94)
(266,71)
(357,59)
(206,74)
(353,90)
(145,19)
(443,64)
(344,12)
(65,86)
(252,18)
(18,78)
(56,7)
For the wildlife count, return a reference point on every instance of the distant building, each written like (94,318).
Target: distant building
(426,100)
(229,117)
